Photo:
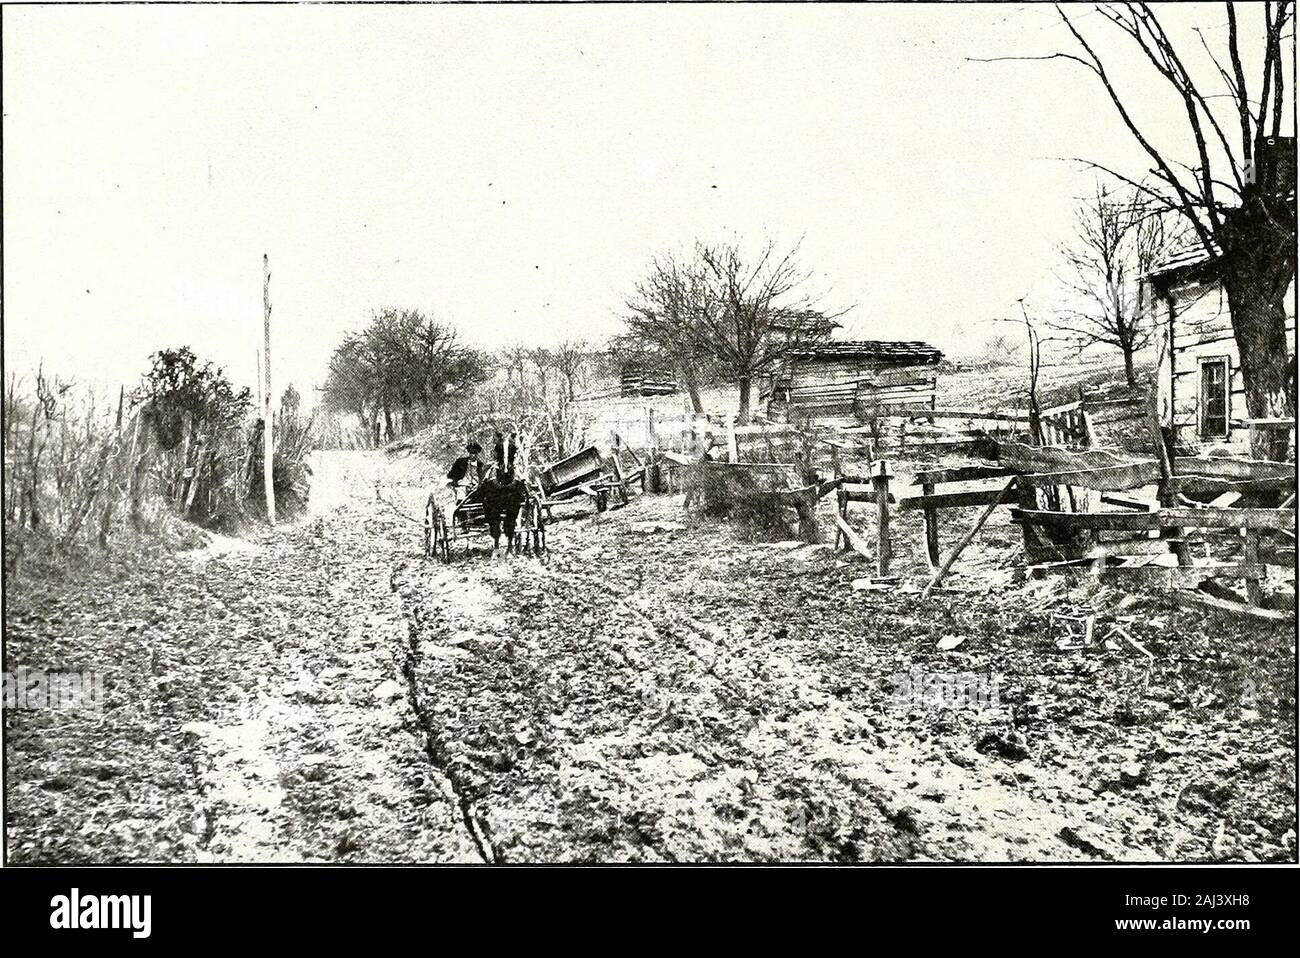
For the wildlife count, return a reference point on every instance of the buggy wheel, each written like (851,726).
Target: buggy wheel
(430,508)
(532,525)
(441,537)
(539,532)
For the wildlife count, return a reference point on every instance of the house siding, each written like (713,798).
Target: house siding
(1192,323)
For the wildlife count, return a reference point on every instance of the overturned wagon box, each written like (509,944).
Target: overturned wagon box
(586,465)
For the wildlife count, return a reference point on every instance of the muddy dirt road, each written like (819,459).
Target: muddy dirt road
(655,692)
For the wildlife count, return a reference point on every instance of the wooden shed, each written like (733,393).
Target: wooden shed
(638,380)
(1199,384)
(845,383)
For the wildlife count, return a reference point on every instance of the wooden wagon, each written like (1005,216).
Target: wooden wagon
(588,473)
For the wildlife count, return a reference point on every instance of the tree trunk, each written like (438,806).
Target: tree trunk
(1256,287)
(744,383)
(1129,374)
(693,389)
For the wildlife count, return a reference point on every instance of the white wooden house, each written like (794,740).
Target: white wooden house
(1201,393)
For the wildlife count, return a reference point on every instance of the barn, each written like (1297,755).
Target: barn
(846,383)
(1199,384)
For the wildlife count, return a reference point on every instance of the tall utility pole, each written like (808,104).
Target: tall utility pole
(268,447)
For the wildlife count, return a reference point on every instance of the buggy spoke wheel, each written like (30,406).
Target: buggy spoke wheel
(430,511)
(440,536)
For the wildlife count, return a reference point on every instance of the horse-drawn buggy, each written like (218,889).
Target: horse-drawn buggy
(520,509)
(497,504)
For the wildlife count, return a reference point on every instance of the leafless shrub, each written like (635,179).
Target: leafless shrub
(757,509)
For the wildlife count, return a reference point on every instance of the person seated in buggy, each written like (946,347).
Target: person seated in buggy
(466,471)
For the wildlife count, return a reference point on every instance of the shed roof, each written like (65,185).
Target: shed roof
(901,352)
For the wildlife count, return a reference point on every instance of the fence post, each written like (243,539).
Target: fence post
(880,473)
(1165,488)
(931,528)
(842,503)
(1254,592)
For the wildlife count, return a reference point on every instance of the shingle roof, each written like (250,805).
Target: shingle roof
(879,350)
(1190,255)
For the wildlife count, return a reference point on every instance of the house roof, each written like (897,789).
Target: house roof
(1186,258)
(876,350)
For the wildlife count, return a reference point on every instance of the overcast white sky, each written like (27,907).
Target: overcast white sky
(511,169)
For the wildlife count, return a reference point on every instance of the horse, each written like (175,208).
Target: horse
(503,496)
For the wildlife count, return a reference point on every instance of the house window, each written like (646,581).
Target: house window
(1214,397)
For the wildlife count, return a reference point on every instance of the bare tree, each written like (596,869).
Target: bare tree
(1118,240)
(560,369)
(1238,192)
(741,315)
(664,320)
(570,359)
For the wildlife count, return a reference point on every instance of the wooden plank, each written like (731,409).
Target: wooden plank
(1234,468)
(775,429)
(1089,432)
(1121,478)
(880,480)
(932,554)
(1093,404)
(1254,587)
(1118,521)
(1124,502)
(1230,518)
(828,485)
(1211,485)
(961,474)
(1040,459)
(1166,493)
(863,495)
(1130,547)
(976,447)
(1057,410)
(676,458)
(1165,518)
(1196,600)
(972,414)
(851,536)
(1273,422)
(746,466)
(950,500)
